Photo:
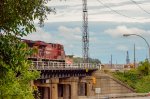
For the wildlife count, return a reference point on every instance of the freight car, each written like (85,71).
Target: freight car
(46,51)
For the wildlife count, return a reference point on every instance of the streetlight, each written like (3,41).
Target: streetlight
(143,39)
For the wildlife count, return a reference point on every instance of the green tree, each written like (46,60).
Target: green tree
(144,68)
(15,76)
(17,16)
(16,20)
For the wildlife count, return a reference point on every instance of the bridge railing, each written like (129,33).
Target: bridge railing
(47,65)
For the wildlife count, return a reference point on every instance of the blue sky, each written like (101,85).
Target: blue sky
(106,28)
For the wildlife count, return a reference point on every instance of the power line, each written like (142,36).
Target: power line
(119,12)
(115,10)
(139,6)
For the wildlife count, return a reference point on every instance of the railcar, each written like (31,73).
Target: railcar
(46,51)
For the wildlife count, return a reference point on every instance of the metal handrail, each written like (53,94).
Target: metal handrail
(47,65)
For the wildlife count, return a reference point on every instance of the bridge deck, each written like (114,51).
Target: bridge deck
(51,69)
(48,65)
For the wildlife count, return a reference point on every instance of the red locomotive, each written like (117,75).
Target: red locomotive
(46,51)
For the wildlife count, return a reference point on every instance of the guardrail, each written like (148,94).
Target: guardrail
(48,65)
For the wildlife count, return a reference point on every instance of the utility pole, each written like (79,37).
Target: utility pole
(111,61)
(143,39)
(85,34)
(127,58)
(134,56)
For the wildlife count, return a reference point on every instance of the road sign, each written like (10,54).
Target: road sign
(97,90)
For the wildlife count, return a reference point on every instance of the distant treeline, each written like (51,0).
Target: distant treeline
(79,60)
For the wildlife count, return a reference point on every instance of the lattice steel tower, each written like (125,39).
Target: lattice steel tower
(127,58)
(85,34)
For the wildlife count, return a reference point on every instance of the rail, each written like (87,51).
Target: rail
(49,65)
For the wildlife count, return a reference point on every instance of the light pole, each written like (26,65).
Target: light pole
(143,39)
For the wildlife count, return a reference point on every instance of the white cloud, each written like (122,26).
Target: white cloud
(122,48)
(120,30)
(71,10)
(40,34)
(70,33)
(140,48)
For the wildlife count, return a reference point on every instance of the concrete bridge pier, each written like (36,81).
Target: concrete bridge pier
(82,89)
(89,86)
(54,88)
(86,87)
(66,91)
(70,87)
(48,88)
(74,88)
(65,88)
(46,92)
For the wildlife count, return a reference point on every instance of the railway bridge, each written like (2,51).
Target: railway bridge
(60,80)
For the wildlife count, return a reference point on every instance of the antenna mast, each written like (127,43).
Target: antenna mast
(85,35)
(127,58)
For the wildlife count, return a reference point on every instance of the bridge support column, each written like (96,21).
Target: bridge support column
(89,86)
(74,89)
(66,91)
(54,88)
(82,87)
(71,85)
(46,92)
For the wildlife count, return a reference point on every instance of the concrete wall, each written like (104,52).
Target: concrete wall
(76,87)
(65,88)
(110,85)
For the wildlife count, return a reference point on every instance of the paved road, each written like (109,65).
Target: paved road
(136,98)
(117,98)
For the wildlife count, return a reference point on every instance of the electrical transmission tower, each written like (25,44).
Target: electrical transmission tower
(127,58)
(85,34)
